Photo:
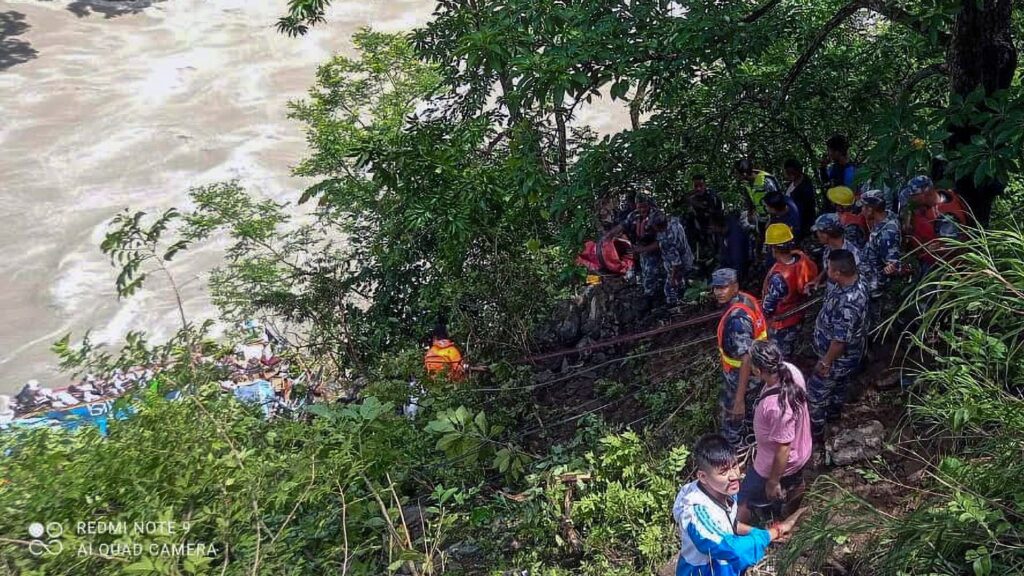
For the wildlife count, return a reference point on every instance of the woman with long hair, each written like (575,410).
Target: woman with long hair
(782,429)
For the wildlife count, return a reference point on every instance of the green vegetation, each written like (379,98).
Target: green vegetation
(453,181)
(965,513)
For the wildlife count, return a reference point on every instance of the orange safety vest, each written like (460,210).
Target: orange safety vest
(796,275)
(752,307)
(922,223)
(444,357)
(858,220)
(614,255)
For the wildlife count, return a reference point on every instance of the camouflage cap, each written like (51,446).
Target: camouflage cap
(873,198)
(827,221)
(919,184)
(723,277)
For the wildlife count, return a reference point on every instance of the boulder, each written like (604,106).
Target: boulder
(463,549)
(543,376)
(669,568)
(569,329)
(856,444)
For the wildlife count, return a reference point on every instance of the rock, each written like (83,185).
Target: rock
(545,336)
(569,329)
(857,444)
(583,343)
(888,381)
(627,315)
(596,310)
(463,549)
(916,478)
(591,329)
(669,568)
(413,515)
(543,376)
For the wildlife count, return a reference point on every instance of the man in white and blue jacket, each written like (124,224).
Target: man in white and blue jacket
(714,543)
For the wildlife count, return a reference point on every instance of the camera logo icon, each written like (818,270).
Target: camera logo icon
(51,531)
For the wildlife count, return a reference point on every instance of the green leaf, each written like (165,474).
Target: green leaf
(619,89)
(371,408)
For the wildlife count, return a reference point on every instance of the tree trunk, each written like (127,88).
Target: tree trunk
(981,54)
(637,103)
(563,148)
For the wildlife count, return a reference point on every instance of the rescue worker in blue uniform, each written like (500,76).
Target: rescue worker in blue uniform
(637,226)
(880,258)
(832,236)
(844,201)
(741,324)
(676,255)
(840,338)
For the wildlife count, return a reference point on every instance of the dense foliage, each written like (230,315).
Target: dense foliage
(965,515)
(453,181)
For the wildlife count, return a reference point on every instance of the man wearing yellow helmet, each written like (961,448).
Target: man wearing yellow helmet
(783,289)
(844,200)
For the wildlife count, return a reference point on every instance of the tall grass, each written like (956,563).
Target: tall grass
(964,514)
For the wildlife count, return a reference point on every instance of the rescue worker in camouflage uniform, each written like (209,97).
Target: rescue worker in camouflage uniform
(840,339)
(637,227)
(938,216)
(831,234)
(676,255)
(845,201)
(783,289)
(880,258)
(740,325)
(704,203)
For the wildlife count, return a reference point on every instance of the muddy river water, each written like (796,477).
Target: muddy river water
(106,105)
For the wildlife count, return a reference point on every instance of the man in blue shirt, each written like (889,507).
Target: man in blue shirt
(836,168)
(801,190)
(713,542)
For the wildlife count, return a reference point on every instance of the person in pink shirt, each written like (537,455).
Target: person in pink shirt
(782,429)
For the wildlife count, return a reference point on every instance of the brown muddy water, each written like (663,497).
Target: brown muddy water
(106,105)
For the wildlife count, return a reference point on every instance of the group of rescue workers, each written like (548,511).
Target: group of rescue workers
(861,234)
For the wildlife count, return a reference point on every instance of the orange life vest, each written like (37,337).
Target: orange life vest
(922,223)
(848,218)
(444,357)
(752,308)
(614,255)
(796,275)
